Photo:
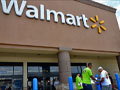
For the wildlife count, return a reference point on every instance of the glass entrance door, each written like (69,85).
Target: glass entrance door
(11,76)
(5,83)
(45,73)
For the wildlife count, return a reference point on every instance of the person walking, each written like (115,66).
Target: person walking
(87,76)
(79,82)
(111,79)
(56,82)
(104,79)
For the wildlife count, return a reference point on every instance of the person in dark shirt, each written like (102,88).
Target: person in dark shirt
(9,88)
(111,81)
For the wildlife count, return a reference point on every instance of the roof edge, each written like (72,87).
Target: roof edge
(98,5)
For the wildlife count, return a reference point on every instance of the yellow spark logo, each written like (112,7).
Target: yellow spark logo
(101,27)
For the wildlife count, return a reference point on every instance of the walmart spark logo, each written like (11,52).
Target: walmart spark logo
(100,27)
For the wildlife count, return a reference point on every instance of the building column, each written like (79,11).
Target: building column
(118,61)
(64,65)
(25,75)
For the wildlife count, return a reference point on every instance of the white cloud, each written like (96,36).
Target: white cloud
(118,21)
(100,1)
(118,8)
(118,15)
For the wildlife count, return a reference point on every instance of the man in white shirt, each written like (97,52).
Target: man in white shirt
(104,79)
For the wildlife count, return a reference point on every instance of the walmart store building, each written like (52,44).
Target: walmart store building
(55,38)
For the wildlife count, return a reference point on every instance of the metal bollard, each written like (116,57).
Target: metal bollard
(70,83)
(98,86)
(118,80)
(35,84)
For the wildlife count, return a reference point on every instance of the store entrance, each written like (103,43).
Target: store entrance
(45,73)
(11,76)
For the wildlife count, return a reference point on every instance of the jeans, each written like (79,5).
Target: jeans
(87,87)
(106,87)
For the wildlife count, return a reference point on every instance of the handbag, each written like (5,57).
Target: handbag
(79,84)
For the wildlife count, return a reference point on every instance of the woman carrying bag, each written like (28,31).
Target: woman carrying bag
(79,82)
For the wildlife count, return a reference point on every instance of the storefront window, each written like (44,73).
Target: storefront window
(33,69)
(18,70)
(83,67)
(54,69)
(40,69)
(46,75)
(6,70)
(79,69)
(74,69)
(17,84)
(11,76)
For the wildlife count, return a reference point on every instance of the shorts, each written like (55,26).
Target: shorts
(87,87)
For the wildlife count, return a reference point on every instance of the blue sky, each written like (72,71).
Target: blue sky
(112,3)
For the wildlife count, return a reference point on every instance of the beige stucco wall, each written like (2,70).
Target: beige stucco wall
(24,31)
(109,63)
(25,58)
(17,57)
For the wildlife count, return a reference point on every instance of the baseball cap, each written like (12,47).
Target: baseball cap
(100,68)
